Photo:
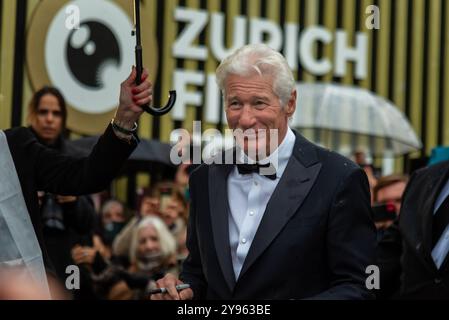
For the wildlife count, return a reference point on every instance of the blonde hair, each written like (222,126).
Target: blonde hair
(166,240)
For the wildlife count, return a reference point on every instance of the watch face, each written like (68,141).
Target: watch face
(86,50)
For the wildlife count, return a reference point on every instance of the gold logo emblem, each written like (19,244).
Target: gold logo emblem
(85,49)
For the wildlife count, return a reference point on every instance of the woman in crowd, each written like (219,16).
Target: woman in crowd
(94,256)
(152,255)
(164,200)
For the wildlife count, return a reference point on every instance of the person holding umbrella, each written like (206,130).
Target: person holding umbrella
(26,166)
(65,218)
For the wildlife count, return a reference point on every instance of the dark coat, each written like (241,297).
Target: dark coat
(42,169)
(315,240)
(420,277)
(76,219)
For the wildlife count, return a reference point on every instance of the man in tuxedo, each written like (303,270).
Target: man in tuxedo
(293,225)
(424,230)
(27,166)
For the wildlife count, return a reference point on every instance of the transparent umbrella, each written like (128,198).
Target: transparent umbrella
(352,119)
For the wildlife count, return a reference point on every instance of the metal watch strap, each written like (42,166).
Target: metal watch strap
(123,130)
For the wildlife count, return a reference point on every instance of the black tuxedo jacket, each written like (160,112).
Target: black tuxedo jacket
(44,169)
(420,276)
(315,240)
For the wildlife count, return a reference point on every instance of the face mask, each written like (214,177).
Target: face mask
(149,262)
(111,230)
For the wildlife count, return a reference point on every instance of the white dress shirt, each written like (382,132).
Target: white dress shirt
(441,249)
(248,196)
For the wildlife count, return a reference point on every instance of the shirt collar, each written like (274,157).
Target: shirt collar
(279,157)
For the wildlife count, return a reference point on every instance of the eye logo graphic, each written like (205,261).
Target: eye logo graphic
(86,57)
(88,61)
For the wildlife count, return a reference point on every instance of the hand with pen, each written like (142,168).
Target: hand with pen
(171,288)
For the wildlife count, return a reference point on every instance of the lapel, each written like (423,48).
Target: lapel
(443,175)
(219,211)
(425,212)
(297,180)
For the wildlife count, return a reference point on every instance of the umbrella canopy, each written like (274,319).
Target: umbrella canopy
(352,119)
(148,152)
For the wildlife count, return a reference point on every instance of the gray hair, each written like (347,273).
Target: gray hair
(166,239)
(262,59)
(109,204)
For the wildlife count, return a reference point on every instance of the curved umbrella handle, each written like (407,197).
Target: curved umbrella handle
(139,68)
(147,108)
(162,110)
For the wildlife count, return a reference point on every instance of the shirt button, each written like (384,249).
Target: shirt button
(243,240)
(251,213)
(256,183)
(437,280)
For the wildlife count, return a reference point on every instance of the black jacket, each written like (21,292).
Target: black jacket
(75,219)
(41,168)
(388,259)
(420,277)
(315,240)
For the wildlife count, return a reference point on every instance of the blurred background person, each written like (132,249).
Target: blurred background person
(152,255)
(182,177)
(113,219)
(173,208)
(389,189)
(388,194)
(148,204)
(166,201)
(94,253)
(65,218)
(174,212)
(359,157)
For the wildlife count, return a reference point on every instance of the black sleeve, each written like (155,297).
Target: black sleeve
(351,239)
(389,259)
(65,175)
(192,271)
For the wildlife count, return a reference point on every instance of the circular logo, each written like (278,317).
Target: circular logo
(85,49)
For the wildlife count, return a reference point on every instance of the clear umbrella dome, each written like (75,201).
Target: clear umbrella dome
(349,117)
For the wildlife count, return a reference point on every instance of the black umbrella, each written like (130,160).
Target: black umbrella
(150,156)
(147,153)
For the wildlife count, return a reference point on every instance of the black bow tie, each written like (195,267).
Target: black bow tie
(245,168)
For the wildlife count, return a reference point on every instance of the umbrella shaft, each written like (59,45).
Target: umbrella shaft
(137,17)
